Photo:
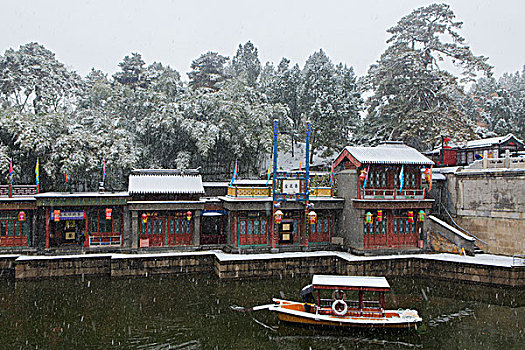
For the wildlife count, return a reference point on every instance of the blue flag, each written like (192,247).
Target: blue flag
(234,173)
(401,178)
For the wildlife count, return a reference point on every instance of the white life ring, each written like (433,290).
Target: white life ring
(336,310)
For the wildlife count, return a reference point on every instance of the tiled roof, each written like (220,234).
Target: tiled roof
(179,184)
(389,154)
(490,141)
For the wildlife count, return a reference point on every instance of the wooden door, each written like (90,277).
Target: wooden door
(180,230)
(152,232)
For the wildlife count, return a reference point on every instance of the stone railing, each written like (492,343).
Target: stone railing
(18,190)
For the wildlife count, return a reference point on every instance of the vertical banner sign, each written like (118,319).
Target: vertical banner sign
(275,133)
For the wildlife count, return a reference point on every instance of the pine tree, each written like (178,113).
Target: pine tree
(246,65)
(208,71)
(414,100)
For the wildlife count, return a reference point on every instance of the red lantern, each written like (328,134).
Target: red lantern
(108,213)
(56,215)
(410,216)
(312,216)
(144,218)
(278,216)
(362,175)
(380,216)
(427,174)
(188,215)
(21,216)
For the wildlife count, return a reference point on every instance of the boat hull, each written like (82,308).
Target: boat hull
(294,313)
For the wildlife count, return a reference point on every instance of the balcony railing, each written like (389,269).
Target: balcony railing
(391,194)
(247,192)
(321,191)
(237,191)
(17,190)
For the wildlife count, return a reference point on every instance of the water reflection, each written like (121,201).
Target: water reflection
(194,313)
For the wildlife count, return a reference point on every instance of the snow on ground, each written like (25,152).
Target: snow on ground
(480,259)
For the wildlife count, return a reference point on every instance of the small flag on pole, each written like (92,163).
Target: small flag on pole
(234,173)
(11,171)
(103,171)
(401,178)
(269,171)
(430,179)
(366,177)
(65,176)
(37,172)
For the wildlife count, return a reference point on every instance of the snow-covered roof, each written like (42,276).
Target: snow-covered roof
(490,141)
(179,184)
(388,154)
(80,194)
(349,281)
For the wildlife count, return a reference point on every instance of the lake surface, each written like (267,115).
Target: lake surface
(194,313)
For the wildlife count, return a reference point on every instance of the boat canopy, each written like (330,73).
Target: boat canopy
(350,283)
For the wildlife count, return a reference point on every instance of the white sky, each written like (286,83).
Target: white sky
(99,33)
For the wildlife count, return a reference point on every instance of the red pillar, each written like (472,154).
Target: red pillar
(47,228)
(86,234)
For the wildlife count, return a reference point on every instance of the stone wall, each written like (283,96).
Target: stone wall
(490,204)
(119,265)
(351,224)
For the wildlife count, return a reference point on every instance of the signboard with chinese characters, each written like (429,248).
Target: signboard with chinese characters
(291,186)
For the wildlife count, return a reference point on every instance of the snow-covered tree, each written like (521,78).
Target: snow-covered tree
(33,80)
(329,100)
(246,65)
(207,71)
(413,97)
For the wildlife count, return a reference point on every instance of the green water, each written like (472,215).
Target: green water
(194,313)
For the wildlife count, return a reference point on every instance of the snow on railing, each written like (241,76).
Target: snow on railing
(388,194)
(17,190)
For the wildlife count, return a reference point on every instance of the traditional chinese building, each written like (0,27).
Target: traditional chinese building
(465,154)
(385,200)
(17,216)
(82,219)
(165,208)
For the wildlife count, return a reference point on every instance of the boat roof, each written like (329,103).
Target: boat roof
(350,282)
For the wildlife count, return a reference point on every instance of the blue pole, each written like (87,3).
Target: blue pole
(308,131)
(275,133)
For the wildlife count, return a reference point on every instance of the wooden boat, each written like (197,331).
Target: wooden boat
(343,301)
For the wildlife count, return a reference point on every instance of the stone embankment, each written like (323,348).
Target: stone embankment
(482,269)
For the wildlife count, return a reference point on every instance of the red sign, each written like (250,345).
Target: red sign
(108,213)
(56,215)
(22,216)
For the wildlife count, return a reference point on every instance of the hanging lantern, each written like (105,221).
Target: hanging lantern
(368,218)
(22,216)
(421,216)
(108,213)
(380,216)
(411,216)
(278,216)
(427,174)
(144,218)
(56,215)
(312,216)
(362,175)
(188,215)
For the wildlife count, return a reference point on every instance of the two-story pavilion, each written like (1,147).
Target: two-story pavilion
(385,201)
